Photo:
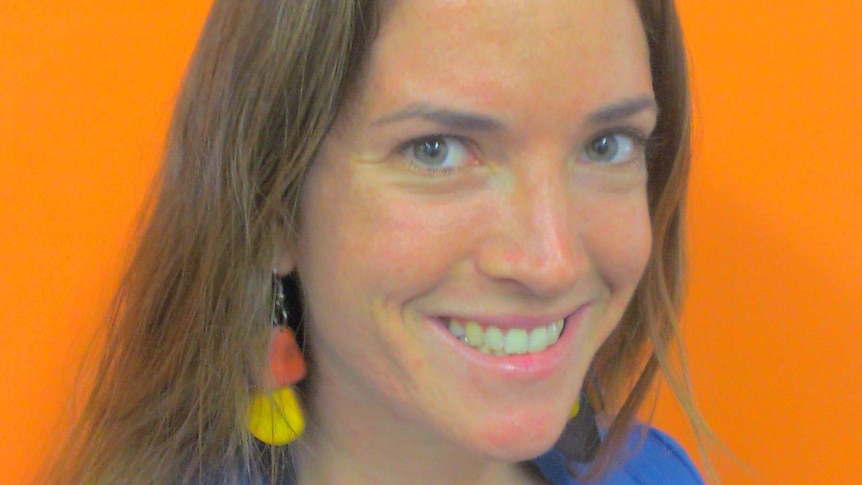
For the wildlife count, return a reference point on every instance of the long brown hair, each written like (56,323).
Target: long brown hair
(187,334)
(647,340)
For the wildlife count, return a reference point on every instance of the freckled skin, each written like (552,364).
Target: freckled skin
(524,228)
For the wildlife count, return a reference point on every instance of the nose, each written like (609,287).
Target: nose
(534,242)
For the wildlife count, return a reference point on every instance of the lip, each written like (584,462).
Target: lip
(524,367)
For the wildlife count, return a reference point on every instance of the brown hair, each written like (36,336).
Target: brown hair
(188,332)
(647,340)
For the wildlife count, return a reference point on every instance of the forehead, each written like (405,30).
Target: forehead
(490,54)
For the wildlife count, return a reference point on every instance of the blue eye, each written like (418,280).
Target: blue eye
(612,148)
(436,153)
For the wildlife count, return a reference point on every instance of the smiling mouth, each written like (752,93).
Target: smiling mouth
(492,340)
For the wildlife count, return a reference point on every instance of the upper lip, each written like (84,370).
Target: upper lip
(514,320)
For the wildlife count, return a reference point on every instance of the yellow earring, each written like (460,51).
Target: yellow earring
(576,408)
(276,418)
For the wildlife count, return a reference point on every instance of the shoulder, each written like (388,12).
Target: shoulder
(658,458)
(655,458)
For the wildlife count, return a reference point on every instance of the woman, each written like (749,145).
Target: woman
(472,208)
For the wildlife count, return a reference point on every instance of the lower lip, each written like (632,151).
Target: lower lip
(519,367)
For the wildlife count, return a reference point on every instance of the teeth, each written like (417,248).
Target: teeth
(475,335)
(515,341)
(494,338)
(456,329)
(538,340)
(554,331)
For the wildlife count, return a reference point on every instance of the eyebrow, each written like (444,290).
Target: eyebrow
(471,121)
(623,110)
(447,117)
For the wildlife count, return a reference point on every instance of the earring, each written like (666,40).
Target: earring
(576,408)
(581,439)
(275,417)
(592,395)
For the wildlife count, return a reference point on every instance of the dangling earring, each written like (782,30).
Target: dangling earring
(576,408)
(275,417)
(581,439)
(592,395)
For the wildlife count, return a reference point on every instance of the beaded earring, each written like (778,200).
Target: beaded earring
(275,417)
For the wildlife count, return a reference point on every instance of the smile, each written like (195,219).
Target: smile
(492,340)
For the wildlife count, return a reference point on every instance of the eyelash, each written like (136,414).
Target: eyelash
(639,139)
(404,147)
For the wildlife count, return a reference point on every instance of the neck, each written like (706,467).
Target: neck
(354,440)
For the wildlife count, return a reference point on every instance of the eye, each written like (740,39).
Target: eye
(613,148)
(436,153)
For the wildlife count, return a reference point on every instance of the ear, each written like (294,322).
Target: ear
(286,362)
(285,259)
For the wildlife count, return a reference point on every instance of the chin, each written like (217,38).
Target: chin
(515,442)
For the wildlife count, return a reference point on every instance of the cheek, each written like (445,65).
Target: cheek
(620,241)
(366,249)
(392,241)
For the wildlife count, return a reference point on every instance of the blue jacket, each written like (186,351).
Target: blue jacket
(657,460)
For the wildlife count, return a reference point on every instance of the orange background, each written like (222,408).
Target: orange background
(773,323)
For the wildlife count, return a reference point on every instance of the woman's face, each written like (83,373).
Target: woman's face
(487,178)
